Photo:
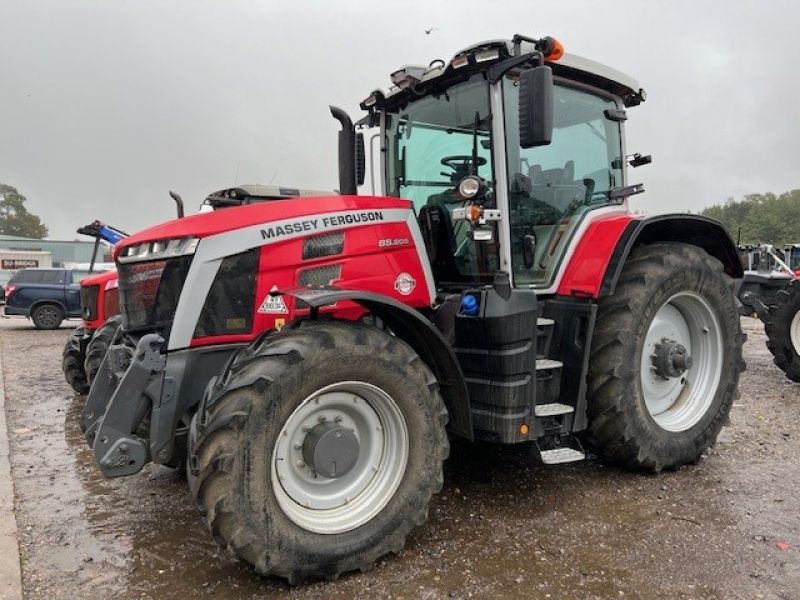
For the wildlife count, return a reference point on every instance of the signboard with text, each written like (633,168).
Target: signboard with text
(12,264)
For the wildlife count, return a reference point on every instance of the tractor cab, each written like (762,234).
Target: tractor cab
(504,150)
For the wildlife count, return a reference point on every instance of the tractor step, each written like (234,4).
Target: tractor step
(544,364)
(558,449)
(552,410)
(544,322)
(559,456)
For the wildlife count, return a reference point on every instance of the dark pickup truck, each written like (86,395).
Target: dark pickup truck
(46,296)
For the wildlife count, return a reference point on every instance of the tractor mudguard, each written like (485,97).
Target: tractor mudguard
(607,244)
(708,234)
(417,331)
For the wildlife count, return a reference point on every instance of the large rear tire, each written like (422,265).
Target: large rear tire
(315,390)
(98,346)
(783,330)
(72,362)
(665,359)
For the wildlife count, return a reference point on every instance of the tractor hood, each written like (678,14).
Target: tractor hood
(100,279)
(208,224)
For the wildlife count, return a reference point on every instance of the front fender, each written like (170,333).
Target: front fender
(418,332)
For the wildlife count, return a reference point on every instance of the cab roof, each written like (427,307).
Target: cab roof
(412,81)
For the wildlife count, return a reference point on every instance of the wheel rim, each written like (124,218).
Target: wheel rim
(794,332)
(48,317)
(329,505)
(679,392)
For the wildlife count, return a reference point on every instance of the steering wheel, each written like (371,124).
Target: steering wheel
(461,161)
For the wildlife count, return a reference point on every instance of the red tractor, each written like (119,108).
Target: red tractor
(310,357)
(87,344)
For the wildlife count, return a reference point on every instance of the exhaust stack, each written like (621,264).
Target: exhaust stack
(347,152)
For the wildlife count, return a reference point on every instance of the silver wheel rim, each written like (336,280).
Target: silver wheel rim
(336,505)
(677,403)
(794,332)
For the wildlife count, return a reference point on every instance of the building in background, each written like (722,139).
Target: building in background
(61,251)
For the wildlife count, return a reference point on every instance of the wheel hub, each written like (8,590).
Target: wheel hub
(331,450)
(339,457)
(671,359)
(681,361)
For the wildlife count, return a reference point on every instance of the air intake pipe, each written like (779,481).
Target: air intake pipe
(347,153)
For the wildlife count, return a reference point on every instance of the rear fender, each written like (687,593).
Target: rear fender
(417,331)
(705,233)
(597,262)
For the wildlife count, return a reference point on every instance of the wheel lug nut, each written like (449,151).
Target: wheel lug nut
(338,418)
(298,446)
(300,464)
(306,428)
(322,419)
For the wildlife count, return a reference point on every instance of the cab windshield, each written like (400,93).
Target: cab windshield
(433,143)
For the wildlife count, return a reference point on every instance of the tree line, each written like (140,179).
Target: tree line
(15,219)
(761,218)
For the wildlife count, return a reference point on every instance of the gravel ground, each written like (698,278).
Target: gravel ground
(504,526)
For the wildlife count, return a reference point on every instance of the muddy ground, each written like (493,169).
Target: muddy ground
(503,527)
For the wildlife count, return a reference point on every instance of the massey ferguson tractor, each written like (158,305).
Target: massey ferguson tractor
(309,357)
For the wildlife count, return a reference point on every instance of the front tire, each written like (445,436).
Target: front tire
(783,330)
(98,346)
(347,384)
(72,362)
(665,359)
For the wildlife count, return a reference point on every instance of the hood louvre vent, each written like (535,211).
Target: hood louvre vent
(327,244)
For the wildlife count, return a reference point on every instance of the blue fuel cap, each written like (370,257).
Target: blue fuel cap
(469,305)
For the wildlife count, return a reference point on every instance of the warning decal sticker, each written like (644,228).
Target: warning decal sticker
(273,305)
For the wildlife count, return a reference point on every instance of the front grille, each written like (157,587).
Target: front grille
(89,301)
(149,291)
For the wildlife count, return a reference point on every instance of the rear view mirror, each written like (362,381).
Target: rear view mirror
(536,107)
(361,169)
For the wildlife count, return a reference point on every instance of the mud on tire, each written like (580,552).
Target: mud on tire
(781,320)
(234,433)
(72,362)
(621,427)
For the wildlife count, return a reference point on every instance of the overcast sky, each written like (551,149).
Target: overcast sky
(106,105)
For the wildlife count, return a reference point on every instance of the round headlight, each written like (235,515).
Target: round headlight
(469,187)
